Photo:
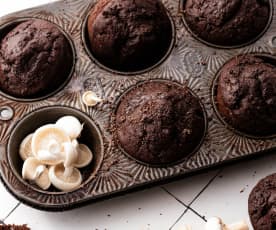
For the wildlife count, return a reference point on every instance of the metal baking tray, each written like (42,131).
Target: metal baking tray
(189,61)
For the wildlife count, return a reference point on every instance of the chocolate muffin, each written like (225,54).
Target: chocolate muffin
(128,35)
(35,57)
(261,204)
(227,22)
(246,95)
(159,122)
(13,227)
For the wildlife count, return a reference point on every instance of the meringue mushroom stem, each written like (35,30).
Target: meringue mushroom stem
(68,171)
(39,170)
(71,154)
(75,143)
(54,146)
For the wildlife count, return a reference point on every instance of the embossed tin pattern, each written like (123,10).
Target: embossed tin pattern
(190,62)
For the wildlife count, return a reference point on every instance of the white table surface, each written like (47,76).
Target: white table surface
(222,192)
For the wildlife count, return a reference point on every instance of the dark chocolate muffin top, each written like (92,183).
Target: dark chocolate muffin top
(35,57)
(129,35)
(246,95)
(159,122)
(261,204)
(227,22)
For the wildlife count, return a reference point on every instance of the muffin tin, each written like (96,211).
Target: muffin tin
(189,61)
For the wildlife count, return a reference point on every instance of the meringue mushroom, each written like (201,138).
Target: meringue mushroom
(47,144)
(65,177)
(25,148)
(48,158)
(70,125)
(33,170)
(85,155)
(187,227)
(55,145)
(90,98)
(238,226)
(62,181)
(215,223)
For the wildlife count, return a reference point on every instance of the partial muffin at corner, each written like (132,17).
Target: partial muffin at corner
(246,95)
(14,227)
(35,58)
(127,35)
(227,22)
(261,204)
(159,122)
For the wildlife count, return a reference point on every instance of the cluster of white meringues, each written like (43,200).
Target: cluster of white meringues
(52,155)
(216,223)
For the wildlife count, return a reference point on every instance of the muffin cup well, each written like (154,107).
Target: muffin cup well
(91,136)
(113,122)
(269,59)
(85,41)
(62,82)
(182,10)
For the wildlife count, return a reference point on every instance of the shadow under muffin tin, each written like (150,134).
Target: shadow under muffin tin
(188,61)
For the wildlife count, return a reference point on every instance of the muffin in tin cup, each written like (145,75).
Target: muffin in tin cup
(37,59)
(159,123)
(244,95)
(227,24)
(128,37)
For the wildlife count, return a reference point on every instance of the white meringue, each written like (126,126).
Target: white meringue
(70,125)
(90,98)
(33,170)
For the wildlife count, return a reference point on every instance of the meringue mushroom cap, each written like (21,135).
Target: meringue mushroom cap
(214,223)
(25,148)
(85,156)
(90,98)
(29,168)
(63,182)
(33,170)
(70,125)
(48,158)
(187,227)
(44,135)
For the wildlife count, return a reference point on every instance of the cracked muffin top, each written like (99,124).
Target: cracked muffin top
(159,122)
(35,57)
(227,22)
(261,204)
(129,35)
(246,95)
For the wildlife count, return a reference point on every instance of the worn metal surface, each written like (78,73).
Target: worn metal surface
(189,62)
